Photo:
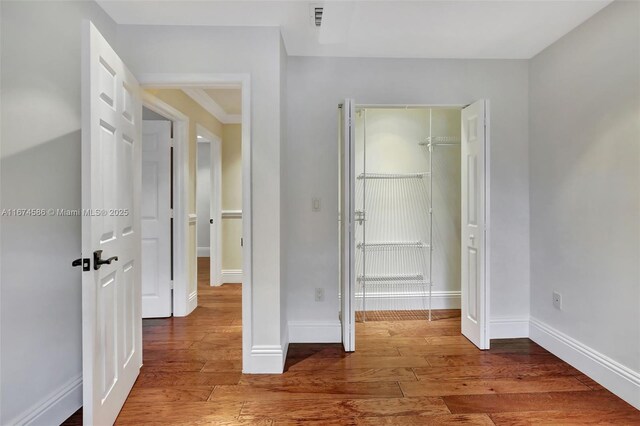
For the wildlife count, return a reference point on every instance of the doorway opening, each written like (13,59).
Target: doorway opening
(203,145)
(407,175)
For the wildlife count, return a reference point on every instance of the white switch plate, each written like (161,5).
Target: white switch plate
(315,204)
(557,300)
(319,294)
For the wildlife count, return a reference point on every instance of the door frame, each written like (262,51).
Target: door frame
(243,82)
(215,200)
(487,202)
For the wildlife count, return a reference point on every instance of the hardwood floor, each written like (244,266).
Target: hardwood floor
(403,373)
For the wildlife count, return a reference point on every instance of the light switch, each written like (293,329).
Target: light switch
(315,205)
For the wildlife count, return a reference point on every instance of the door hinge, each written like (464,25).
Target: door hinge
(170,213)
(171,142)
(241,242)
(171,284)
(84,262)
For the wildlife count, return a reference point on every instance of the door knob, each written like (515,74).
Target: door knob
(98,261)
(211,221)
(84,262)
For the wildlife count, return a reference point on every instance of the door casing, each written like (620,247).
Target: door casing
(181,170)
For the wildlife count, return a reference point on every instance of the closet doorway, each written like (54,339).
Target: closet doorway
(413,218)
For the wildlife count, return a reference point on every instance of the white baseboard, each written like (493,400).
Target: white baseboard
(231,276)
(55,408)
(614,376)
(192,304)
(265,359)
(284,342)
(204,251)
(509,328)
(410,301)
(315,332)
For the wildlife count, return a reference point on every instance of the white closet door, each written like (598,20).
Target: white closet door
(111,151)
(473,261)
(347,236)
(156,219)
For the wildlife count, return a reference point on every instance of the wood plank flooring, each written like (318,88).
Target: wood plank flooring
(407,372)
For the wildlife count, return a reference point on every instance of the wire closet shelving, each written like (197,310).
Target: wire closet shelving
(400,202)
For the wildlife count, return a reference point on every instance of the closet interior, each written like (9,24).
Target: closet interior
(407,211)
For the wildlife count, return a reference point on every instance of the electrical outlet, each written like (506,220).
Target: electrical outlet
(315,204)
(557,300)
(319,294)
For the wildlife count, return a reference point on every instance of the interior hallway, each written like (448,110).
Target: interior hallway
(407,372)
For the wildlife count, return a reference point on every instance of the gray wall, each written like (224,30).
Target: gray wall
(585,175)
(317,85)
(254,51)
(41,292)
(284,321)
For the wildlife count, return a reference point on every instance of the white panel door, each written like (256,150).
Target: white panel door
(156,219)
(473,262)
(111,298)
(347,219)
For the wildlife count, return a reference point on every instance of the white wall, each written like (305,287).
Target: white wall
(585,205)
(41,292)
(315,86)
(176,49)
(203,197)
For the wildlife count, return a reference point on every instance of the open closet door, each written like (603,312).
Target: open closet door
(111,230)
(474,159)
(346,214)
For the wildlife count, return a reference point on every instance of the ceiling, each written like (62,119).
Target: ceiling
(223,103)
(229,99)
(398,29)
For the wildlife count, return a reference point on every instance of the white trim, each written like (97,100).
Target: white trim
(215,203)
(192,218)
(416,300)
(231,276)
(231,214)
(181,80)
(315,332)
(204,251)
(211,106)
(55,408)
(192,303)
(181,220)
(267,359)
(614,376)
(509,328)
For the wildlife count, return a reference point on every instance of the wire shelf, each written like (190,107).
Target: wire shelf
(404,284)
(440,140)
(390,278)
(392,245)
(393,175)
